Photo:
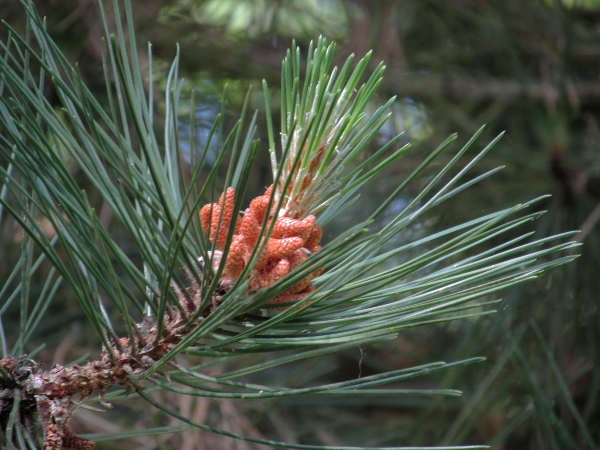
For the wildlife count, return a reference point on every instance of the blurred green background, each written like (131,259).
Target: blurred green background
(530,67)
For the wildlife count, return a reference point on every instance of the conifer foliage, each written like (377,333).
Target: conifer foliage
(216,280)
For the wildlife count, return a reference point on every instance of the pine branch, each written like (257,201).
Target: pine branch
(216,279)
(51,393)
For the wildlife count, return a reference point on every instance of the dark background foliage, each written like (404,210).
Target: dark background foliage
(529,67)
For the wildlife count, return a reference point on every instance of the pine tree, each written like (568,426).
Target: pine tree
(219,278)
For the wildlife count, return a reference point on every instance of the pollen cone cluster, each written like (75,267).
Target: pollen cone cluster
(291,242)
